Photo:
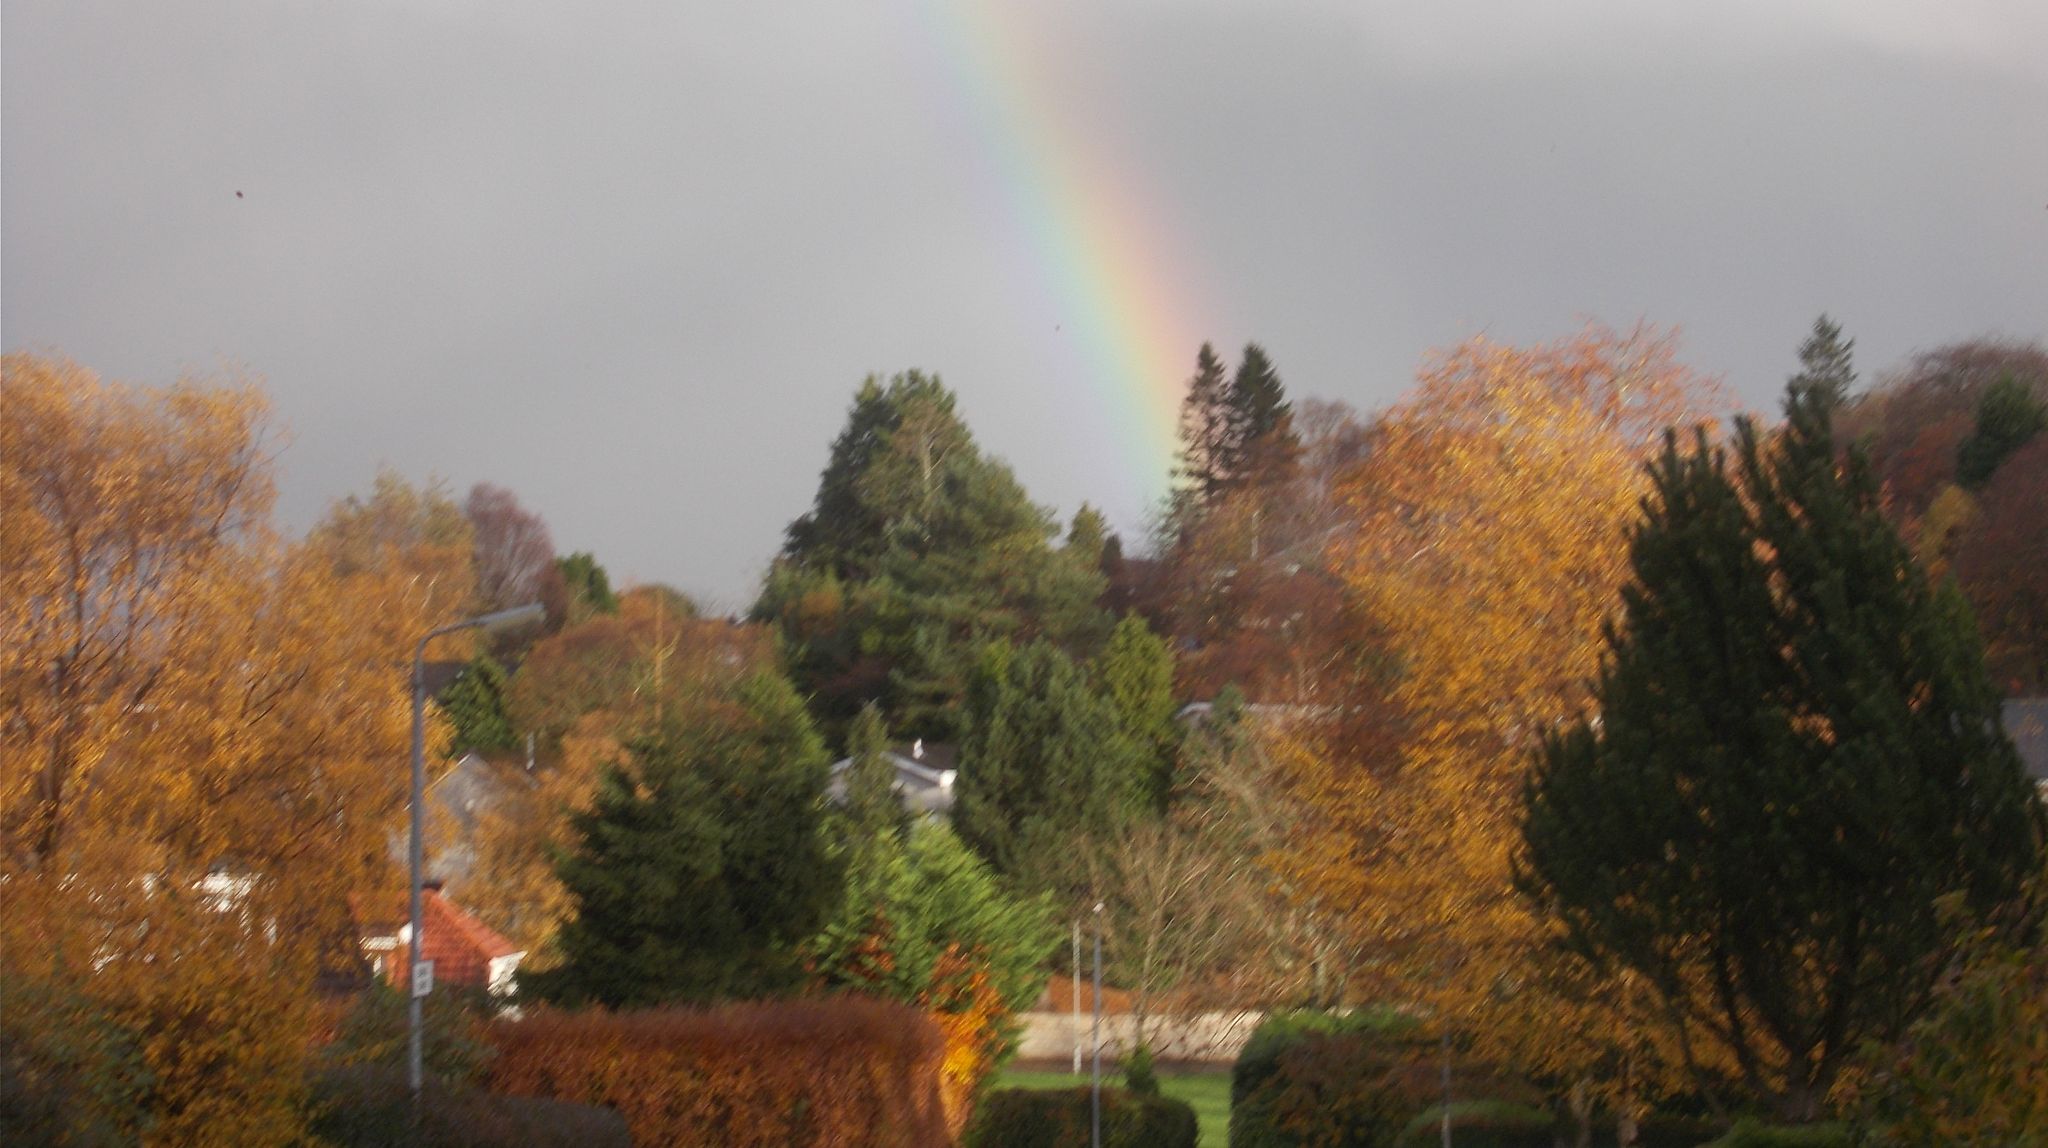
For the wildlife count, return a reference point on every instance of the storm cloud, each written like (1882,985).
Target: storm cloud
(631,260)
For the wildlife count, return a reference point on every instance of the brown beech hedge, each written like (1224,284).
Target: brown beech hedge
(841,1071)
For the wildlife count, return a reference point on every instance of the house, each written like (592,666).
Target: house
(464,951)
(924,777)
(2026,723)
(458,800)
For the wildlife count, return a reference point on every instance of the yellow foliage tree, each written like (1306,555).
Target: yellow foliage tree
(204,737)
(1486,545)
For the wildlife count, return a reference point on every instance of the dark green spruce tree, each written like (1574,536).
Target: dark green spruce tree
(1135,672)
(701,866)
(1047,765)
(1826,366)
(1204,428)
(475,705)
(872,807)
(1263,445)
(918,550)
(1797,757)
(2008,417)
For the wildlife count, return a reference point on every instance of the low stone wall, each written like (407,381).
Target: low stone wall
(1205,1038)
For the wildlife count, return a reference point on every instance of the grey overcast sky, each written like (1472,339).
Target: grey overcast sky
(631,260)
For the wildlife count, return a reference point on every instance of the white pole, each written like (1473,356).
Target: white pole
(1095,1106)
(1076,979)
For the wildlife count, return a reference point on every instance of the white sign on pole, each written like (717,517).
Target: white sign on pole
(423,978)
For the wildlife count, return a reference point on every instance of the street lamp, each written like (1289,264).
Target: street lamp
(531,612)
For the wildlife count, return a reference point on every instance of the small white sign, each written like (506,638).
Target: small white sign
(423,978)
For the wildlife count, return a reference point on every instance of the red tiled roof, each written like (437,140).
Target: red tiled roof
(461,947)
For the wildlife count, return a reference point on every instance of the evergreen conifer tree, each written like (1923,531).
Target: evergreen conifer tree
(1046,762)
(2008,416)
(1796,756)
(918,550)
(475,704)
(700,867)
(1205,429)
(1260,420)
(872,805)
(1825,367)
(1135,671)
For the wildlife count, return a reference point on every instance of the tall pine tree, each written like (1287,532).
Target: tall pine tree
(918,550)
(1796,758)
(1263,444)
(1205,429)
(1825,367)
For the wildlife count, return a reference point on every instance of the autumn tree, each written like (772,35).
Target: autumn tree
(513,552)
(1483,548)
(2002,565)
(1796,756)
(409,541)
(1250,593)
(700,866)
(197,766)
(1913,422)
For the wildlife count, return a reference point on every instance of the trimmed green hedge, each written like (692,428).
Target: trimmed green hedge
(1322,1078)
(1748,1133)
(366,1106)
(1035,1118)
(1482,1124)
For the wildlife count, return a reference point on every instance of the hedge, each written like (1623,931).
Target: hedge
(370,1106)
(1482,1124)
(1282,1030)
(1750,1134)
(845,1071)
(1322,1078)
(1062,1118)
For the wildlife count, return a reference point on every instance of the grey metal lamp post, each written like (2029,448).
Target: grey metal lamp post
(531,612)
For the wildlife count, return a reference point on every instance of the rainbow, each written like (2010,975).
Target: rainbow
(1096,244)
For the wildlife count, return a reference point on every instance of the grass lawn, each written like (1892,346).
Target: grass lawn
(1207,1092)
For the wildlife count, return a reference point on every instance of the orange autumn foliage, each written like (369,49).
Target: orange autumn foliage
(1486,546)
(848,1072)
(203,730)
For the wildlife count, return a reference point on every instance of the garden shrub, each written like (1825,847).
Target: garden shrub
(375,1029)
(845,1071)
(370,1106)
(1482,1124)
(1749,1133)
(1139,1076)
(1282,1030)
(1324,1079)
(1061,1118)
(1669,1130)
